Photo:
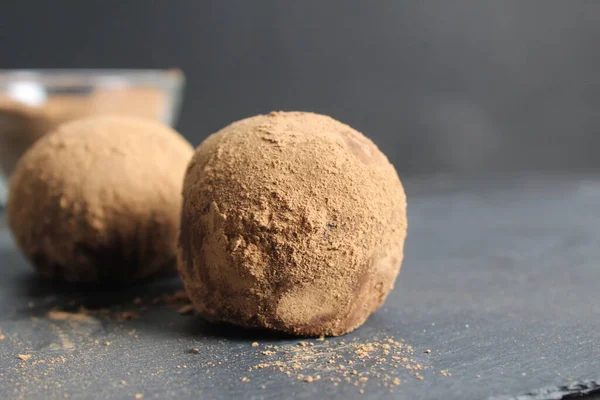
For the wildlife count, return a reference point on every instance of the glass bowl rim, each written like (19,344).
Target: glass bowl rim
(166,79)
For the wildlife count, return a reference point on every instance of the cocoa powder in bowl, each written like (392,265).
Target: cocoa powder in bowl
(291,221)
(21,125)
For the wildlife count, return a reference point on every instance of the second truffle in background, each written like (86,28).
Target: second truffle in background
(98,200)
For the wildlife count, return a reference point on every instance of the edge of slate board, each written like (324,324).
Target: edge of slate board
(573,390)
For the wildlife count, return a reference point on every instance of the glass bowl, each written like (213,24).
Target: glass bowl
(34,102)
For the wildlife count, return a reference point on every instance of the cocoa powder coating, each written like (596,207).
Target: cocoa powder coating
(99,199)
(291,221)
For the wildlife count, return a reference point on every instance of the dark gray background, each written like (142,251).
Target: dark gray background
(441,86)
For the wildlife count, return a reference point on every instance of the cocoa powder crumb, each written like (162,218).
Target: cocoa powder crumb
(175,299)
(127,316)
(180,295)
(186,310)
(195,350)
(24,357)
(254,344)
(82,315)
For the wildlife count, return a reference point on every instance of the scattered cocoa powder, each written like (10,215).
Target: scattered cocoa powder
(291,221)
(379,360)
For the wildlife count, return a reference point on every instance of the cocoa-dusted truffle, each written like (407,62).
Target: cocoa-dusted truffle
(98,199)
(291,221)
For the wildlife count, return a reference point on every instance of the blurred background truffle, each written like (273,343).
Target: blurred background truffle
(98,200)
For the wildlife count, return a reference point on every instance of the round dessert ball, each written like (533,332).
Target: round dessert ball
(291,221)
(99,200)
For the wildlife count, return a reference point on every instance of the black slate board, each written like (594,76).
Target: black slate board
(500,281)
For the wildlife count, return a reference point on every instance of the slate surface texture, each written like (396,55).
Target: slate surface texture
(498,298)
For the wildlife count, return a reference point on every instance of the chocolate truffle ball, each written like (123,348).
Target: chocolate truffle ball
(291,221)
(99,200)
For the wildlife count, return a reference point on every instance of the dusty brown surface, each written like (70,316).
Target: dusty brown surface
(291,221)
(22,125)
(99,199)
